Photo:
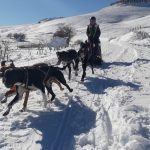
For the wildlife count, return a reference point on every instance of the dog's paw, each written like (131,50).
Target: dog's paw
(71,90)
(82,80)
(49,101)
(76,74)
(6,112)
(4,100)
(62,89)
(22,110)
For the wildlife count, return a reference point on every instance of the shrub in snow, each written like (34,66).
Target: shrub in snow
(4,50)
(142,35)
(10,35)
(65,31)
(136,28)
(1,52)
(20,37)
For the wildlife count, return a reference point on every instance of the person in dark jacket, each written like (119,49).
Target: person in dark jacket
(93,32)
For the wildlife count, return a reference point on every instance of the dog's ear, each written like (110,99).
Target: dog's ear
(3,69)
(3,63)
(81,44)
(86,42)
(58,53)
(12,63)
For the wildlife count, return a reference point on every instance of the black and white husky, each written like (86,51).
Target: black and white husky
(67,58)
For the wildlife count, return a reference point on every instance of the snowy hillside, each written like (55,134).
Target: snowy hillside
(109,111)
(107,18)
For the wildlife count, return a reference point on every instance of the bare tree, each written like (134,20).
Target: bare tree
(20,37)
(1,52)
(5,51)
(65,31)
(10,35)
(41,47)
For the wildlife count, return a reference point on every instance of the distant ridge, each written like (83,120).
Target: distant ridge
(132,2)
(49,19)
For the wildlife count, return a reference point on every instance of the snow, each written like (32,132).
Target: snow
(58,42)
(109,111)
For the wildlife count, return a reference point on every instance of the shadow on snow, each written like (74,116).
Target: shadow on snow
(108,65)
(98,86)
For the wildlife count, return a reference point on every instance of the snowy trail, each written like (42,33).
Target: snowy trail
(112,107)
(97,116)
(120,99)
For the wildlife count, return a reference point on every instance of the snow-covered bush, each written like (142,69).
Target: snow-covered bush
(20,37)
(142,35)
(4,50)
(65,31)
(137,28)
(10,35)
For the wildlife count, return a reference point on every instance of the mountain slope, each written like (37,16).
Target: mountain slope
(108,15)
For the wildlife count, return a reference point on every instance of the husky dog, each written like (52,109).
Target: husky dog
(68,57)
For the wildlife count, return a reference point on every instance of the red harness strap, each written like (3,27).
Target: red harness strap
(11,91)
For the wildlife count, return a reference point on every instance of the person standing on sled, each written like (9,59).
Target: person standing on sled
(93,32)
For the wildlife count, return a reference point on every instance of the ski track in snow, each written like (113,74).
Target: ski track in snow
(61,129)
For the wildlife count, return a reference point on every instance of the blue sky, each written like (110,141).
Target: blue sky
(31,11)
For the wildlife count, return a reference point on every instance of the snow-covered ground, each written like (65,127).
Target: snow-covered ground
(109,111)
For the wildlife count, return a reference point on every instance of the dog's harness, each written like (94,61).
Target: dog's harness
(86,54)
(25,80)
(26,76)
(45,73)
